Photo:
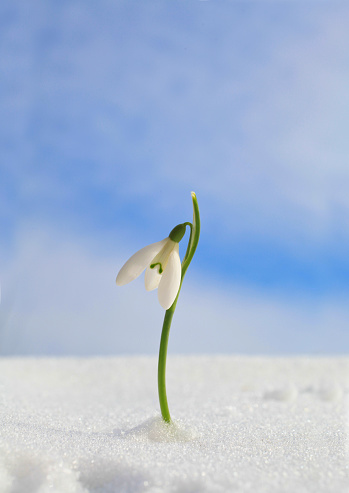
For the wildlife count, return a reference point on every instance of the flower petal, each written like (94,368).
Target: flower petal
(171,279)
(152,278)
(138,262)
(162,257)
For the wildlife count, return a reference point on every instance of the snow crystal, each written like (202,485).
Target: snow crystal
(240,424)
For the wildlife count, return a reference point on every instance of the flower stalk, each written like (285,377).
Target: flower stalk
(192,244)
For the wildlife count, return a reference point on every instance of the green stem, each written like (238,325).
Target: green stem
(192,244)
(162,363)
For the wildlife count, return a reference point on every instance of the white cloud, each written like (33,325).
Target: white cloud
(247,109)
(60,298)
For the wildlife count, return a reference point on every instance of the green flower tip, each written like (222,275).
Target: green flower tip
(177,233)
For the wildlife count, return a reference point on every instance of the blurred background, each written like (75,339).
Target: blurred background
(112,112)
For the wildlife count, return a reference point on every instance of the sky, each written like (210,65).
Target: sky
(113,113)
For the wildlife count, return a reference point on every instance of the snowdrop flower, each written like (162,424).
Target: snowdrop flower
(164,270)
(163,267)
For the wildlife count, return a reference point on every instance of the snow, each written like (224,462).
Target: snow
(241,424)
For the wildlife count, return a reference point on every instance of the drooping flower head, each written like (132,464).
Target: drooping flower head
(163,267)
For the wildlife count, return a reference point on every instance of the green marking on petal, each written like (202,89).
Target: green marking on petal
(160,266)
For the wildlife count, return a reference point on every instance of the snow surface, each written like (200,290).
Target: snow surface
(241,424)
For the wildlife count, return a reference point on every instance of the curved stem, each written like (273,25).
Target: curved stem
(192,244)
(188,247)
(162,364)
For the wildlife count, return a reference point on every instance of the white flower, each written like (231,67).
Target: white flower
(163,270)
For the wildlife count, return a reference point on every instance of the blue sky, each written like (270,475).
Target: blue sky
(112,114)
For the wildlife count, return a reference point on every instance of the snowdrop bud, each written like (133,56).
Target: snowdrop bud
(177,233)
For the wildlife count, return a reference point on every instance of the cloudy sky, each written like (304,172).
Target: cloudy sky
(112,113)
